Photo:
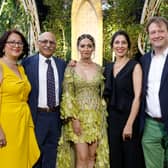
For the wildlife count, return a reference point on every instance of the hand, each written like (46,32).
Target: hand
(72,63)
(2,138)
(127,132)
(76,127)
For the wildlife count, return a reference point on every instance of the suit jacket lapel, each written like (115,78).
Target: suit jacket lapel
(164,73)
(146,68)
(59,70)
(36,74)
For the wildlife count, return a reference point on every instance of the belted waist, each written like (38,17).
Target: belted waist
(48,109)
(158,119)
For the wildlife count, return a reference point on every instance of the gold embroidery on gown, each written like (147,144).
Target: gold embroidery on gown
(83,100)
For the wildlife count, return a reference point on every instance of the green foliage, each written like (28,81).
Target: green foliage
(59,22)
(163,11)
(13,16)
(123,14)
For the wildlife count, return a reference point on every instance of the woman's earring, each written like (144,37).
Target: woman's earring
(128,53)
(78,56)
(93,55)
(113,57)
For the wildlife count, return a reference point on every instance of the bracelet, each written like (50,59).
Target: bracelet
(71,118)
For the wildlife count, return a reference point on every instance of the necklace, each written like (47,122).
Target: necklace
(86,63)
(121,63)
(118,66)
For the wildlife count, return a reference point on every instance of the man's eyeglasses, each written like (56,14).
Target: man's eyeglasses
(15,43)
(45,42)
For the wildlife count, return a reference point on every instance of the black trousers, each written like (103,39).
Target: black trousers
(123,154)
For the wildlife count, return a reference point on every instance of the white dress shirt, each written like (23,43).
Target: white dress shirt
(153,84)
(42,97)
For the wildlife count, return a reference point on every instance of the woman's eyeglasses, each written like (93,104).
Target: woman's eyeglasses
(15,43)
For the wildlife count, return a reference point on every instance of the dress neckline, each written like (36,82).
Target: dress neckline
(90,80)
(18,76)
(115,76)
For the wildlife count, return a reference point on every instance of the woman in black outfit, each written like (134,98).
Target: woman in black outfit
(123,89)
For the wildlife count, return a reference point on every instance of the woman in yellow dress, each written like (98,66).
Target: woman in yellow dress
(84,113)
(18,146)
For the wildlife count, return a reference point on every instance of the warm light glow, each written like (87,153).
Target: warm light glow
(87,18)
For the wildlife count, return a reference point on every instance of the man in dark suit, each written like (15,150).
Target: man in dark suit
(45,73)
(154,109)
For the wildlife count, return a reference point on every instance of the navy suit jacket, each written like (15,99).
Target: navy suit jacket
(31,66)
(163,92)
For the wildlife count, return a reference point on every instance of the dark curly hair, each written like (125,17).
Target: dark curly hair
(4,38)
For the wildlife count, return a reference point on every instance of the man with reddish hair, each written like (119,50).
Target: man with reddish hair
(154,108)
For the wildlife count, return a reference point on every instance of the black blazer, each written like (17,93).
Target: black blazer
(163,92)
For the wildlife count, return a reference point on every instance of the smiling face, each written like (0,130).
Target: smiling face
(14,46)
(158,35)
(86,48)
(120,46)
(47,44)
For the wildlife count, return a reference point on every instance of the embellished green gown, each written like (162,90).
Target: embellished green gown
(83,100)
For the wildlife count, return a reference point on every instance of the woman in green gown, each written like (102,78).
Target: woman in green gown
(83,143)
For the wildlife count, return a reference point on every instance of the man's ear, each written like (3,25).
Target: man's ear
(36,46)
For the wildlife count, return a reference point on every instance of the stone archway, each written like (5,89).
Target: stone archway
(86,17)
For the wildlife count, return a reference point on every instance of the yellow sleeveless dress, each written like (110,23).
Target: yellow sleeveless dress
(21,150)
